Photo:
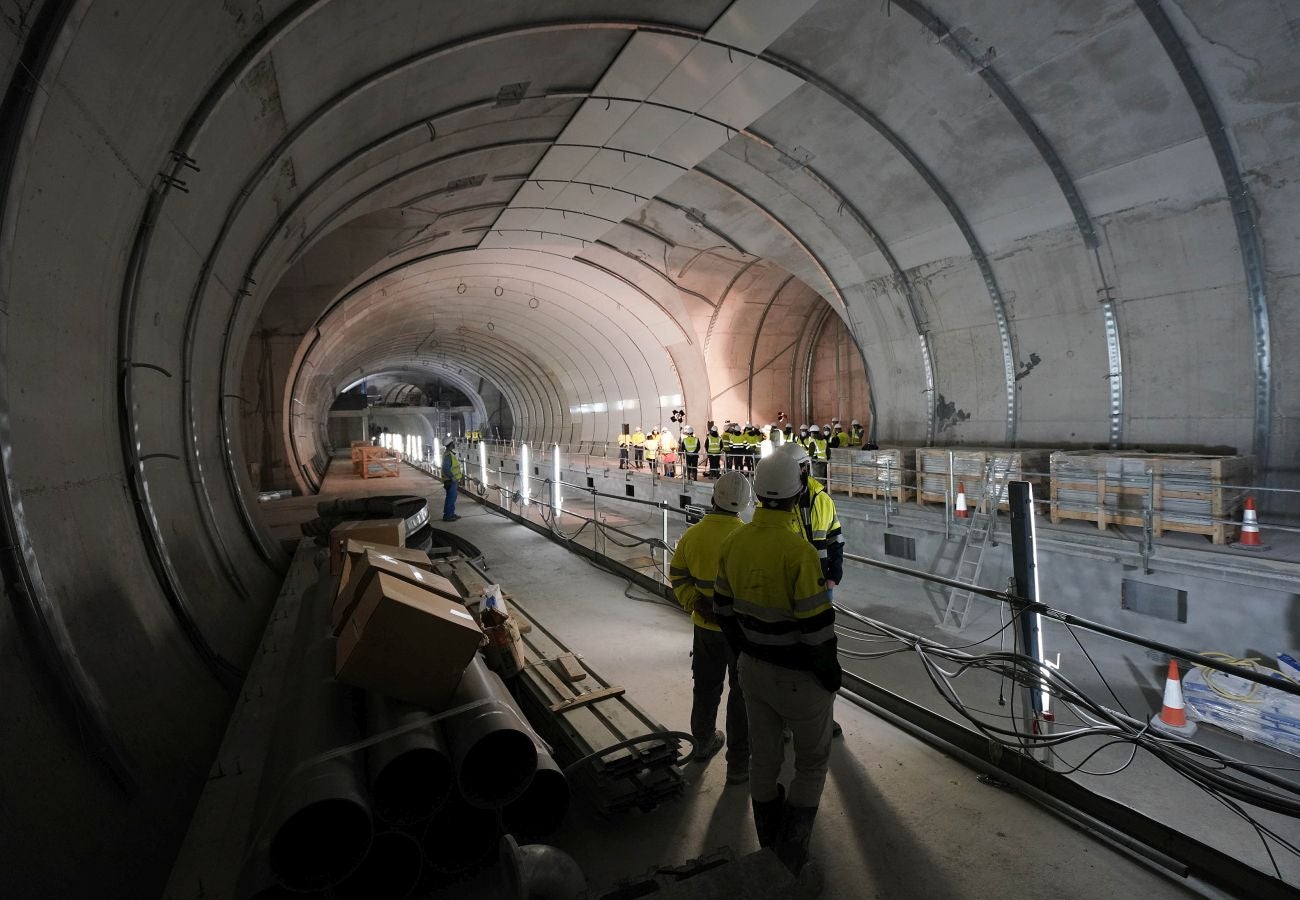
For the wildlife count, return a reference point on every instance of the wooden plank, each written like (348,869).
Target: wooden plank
(587,699)
(566,666)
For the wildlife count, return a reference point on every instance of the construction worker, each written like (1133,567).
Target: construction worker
(775,436)
(638,447)
(771,602)
(817,449)
(857,437)
(624,446)
(752,440)
(691,450)
(652,451)
(838,438)
(713,448)
(451,475)
(693,570)
(668,452)
(730,448)
(817,522)
(802,440)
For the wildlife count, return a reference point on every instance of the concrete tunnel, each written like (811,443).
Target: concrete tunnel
(971,223)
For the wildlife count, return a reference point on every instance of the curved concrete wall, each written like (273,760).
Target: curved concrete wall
(1073,222)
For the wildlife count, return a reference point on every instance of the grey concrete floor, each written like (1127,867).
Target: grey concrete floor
(898,819)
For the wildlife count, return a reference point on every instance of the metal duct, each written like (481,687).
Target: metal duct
(318,828)
(410,774)
(541,808)
(391,870)
(492,745)
(540,872)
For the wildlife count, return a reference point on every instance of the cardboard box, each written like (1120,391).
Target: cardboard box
(360,568)
(504,650)
(406,642)
(379,531)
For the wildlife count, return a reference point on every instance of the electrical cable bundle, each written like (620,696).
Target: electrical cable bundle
(1230,781)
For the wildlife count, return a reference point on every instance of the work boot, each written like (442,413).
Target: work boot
(769,816)
(706,750)
(796,832)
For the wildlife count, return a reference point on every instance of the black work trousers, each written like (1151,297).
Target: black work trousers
(693,466)
(715,460)
(711,663)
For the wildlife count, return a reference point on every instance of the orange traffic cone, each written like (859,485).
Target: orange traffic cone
(1250,539)
(961,511)
(1172,718)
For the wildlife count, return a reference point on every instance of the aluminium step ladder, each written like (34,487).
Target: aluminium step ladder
(979,533)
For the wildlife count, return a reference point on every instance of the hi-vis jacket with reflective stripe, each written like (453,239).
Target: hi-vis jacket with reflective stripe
(713,445)
(694,565)
(815,520)
(451,470)
(690,444)
(771,599)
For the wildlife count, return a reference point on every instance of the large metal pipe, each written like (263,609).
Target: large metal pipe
(460,837)
(492,746)
(314,826)
(391,870)
(540,872)
(411,774)
(541,808)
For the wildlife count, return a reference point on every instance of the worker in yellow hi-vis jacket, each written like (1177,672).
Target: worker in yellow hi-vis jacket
(693,570)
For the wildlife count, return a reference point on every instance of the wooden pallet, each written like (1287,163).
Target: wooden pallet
(968,468)
(869,473)
(1185,492)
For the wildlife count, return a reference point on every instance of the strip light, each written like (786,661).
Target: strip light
(523,475)
(482,463)
(557,499)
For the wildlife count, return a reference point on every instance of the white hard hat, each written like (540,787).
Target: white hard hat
(797,452)
(856,423)
(777,478)
(749,424)
(732,492)
(816,429)
(835,421)
(803,427)
(686,429)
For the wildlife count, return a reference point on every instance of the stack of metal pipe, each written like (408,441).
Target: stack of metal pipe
(365,796)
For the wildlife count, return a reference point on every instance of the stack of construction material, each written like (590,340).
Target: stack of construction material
(398,756)
(633,758)
(378,462)
(871,473)
(1253,711)
(1187,492)
(970,466)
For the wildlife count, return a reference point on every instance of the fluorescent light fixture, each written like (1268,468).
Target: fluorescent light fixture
(557,499)
(523,474)
(437,455)
(1044,696)
(482,462)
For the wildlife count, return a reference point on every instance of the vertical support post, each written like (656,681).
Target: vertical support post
(889,480)
(1024,566)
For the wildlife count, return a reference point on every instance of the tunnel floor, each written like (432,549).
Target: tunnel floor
(898,818)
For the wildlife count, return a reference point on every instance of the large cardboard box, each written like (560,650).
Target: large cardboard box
(353,550)
(406,642)
(360,568)
(378,531)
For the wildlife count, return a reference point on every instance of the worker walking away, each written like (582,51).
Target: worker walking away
(638,448)
(693,570)
(624,447)
(816,520)
(451,475)
(652,451)
(691,450)
(713,449)
(857,437)
(771,602)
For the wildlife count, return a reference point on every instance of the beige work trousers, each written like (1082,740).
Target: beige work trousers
(777,698)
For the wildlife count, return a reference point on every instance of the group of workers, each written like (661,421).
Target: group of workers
(759,595)
(732,445)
